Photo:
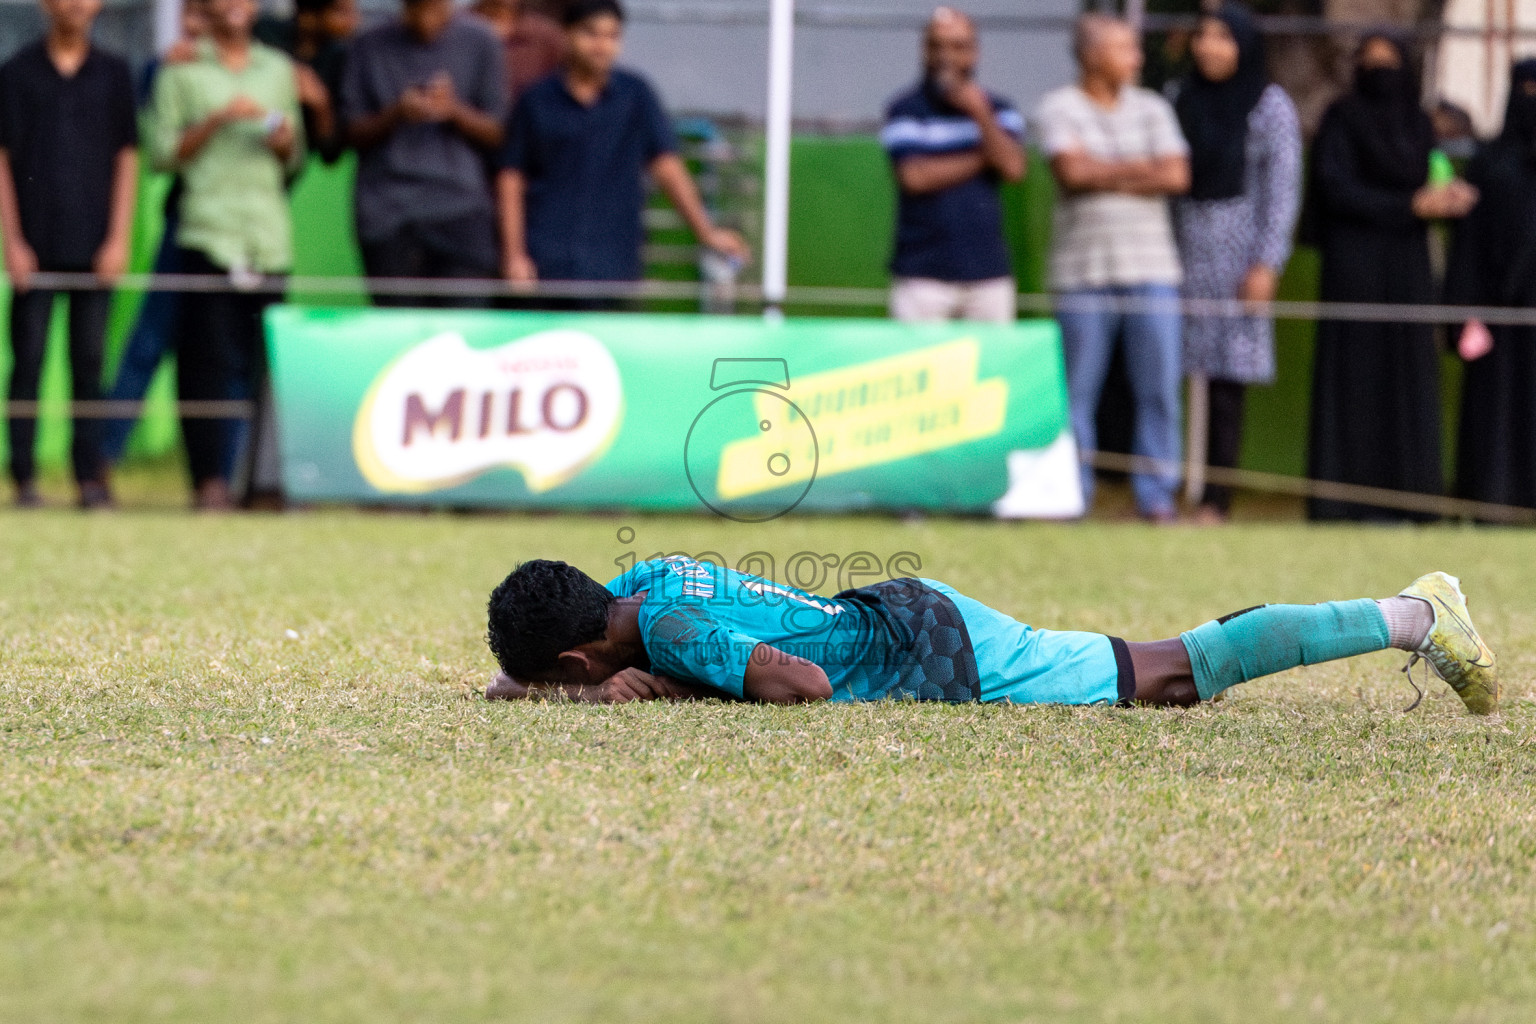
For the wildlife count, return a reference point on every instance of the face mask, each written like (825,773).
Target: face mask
(1381,83)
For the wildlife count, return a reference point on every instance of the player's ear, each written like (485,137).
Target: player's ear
(575,666)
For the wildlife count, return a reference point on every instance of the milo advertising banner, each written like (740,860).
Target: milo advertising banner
(730,415)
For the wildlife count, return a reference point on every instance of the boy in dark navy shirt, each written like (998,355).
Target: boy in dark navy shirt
(571,187)
(952,143)
(68,174)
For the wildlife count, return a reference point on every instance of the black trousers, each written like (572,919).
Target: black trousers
(1227,399)
(31,313)
(221,356)
(465,247)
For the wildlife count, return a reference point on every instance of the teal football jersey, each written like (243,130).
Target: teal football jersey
(702,623)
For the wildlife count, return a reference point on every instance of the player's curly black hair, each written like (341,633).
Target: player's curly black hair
(541,609)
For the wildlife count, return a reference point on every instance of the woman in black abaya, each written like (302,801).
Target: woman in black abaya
(1376,386)
(1493,263)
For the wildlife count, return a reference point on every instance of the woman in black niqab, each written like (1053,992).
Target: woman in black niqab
(1376,386)
(1493,263)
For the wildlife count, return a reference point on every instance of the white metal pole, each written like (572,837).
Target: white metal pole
(781,39)
(1197,445)
(167,14)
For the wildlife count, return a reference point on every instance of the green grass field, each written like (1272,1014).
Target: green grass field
(244,776)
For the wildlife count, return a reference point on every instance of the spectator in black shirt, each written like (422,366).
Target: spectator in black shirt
(68,177)
(316,38)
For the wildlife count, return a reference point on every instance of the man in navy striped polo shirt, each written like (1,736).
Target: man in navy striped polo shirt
(952,144)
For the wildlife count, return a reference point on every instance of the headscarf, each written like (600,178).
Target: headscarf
(1214,115)
(1392,134)
(1520,113)
(1493,250)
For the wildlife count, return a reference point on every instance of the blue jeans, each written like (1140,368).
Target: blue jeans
(153,337)
(1153,360)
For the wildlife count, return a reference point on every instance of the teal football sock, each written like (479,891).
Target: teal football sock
(1274,637)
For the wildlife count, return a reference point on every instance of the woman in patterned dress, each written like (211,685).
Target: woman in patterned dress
(1235,225)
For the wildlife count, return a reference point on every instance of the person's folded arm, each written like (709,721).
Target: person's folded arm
(1077,171)
(1162,176)
(630,684)
(637,684)
(688,641)
(772,677)
(921,174)
(775,677)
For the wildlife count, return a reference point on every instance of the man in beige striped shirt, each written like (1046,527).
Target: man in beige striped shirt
(1117,154)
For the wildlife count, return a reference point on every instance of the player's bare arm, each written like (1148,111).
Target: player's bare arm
(630,684)
(774,677)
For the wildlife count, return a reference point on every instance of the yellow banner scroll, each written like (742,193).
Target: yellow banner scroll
(868,414)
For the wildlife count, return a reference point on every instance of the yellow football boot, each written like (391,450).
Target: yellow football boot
(1453,647)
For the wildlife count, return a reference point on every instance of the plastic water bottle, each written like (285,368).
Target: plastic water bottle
(1441,170)
(718,271)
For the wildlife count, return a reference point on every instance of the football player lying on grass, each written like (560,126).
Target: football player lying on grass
(680,629)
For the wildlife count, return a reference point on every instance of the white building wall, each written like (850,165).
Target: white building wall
(1473,70)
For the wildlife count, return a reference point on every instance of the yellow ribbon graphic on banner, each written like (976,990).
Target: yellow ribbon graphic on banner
(869,414)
